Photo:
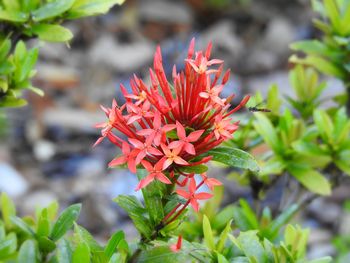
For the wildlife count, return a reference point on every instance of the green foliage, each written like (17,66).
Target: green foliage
(30,19)
(331,54)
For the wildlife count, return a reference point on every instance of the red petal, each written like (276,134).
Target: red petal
(183,193)
(180,161)
(203,196)
(147,165)
(194,136)
(117,161)
(136,143)
(161,177)
(192,186)
(176,144)
(195,205)
(181,133)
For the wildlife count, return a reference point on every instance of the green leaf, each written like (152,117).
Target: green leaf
(320,64)
(223,236)
(113,242)
(13,16)
(8,209)
(310,179)
(324,125)
(208,233)
(136,212)
(152,195)
(161,255)
(64,252)
(52,9)
(43,228)
(343,166)
(252,248)
(234,158)
(8,246)
(282,219)
(9,102)
(198,169)
(314,47)
(11,4)
(222,259)
(84,235)
(46,245)
(333,14)
(81,254)
(23,226)
(83,8)
(5,47)
(65,221)
(264,127)
(52,33)
(28,63)
(28,252)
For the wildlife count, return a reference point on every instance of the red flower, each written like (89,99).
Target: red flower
(158,130)
(210,182)
(155,173)
(172,156)
(191,103)
(127,157)
(185,142)
(144,148)
(192,196)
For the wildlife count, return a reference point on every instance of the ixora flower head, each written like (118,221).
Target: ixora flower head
(167,127)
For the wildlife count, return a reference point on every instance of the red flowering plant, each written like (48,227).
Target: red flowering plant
(167,131)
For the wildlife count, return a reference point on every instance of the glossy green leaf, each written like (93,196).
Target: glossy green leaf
(9,102)
(64,252)
(8,246)
(11,4)
(83,235)
(251,246)
(22,225)
(152,195)
(46,245)
(282,219)
(310,179)
(198,169)
(65,221)
(52,33)
(52,9)
(161,255)
(223,236)
(28,252)
(83,8)
(7,209)
(208,233)
(136,212)
(234,158)
(28,63)
(43,228)
(265,128)
(320,64)
(13,16)
(113,242)
(81,254)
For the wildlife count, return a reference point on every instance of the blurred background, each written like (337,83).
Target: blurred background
(46,150)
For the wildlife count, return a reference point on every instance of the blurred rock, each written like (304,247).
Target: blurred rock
(319,236)
(73,119)
(279,34)
(39,198)
(226,44)
(165,11)
(12,182)
(320,250)
(325,212)
(122,57)
(44,150)
(344,224)
(57,76)
(262,83)
(259,60)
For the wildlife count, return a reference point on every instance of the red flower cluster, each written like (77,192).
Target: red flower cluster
(164,127)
